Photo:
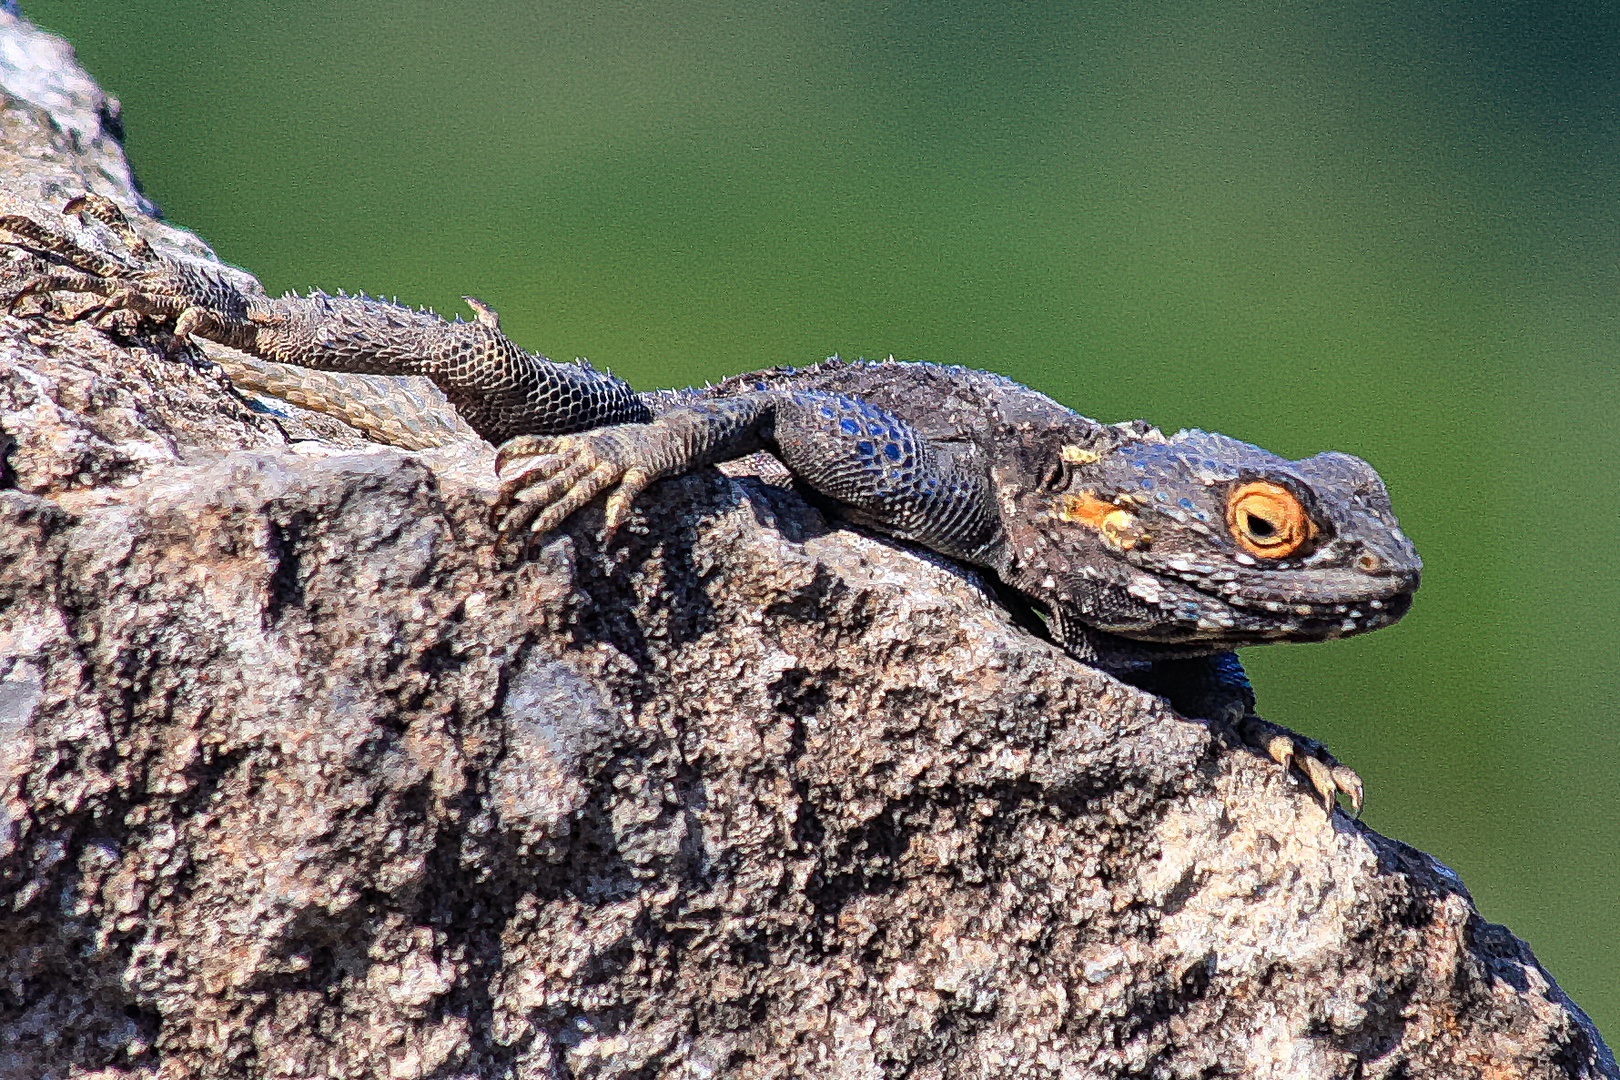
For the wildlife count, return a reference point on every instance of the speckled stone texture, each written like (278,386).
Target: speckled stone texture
(297,779)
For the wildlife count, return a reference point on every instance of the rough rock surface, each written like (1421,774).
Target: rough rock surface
(296,779)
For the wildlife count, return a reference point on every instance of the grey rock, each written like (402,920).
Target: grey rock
(297,777)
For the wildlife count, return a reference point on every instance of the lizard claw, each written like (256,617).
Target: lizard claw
(544,479)
(523,446)
(1281,750)
(1310,759)
(1348,783)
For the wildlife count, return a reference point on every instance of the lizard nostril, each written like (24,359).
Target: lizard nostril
(1369,563)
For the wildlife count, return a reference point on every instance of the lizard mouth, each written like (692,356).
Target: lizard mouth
(1232,610)
(1256,623)
(1351,588)
(1331,620)
(1328,591)
(1320,605)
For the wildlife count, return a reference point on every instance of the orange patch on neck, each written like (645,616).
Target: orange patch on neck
(1117,525)
(1085,509)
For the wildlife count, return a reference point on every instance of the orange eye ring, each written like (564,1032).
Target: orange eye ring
(1267,520)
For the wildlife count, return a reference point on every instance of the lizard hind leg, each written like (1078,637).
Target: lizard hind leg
(195,298)
(65,265)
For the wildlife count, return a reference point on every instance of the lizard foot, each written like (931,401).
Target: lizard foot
(546,478)
(1321,770)
(135,280)
(68,266)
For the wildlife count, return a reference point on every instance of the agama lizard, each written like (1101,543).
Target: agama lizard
(1151,556)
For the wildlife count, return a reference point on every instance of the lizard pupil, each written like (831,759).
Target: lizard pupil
(1260,528)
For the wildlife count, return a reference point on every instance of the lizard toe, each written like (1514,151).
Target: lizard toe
(510,521)
(109,214)
(561,484)
(577,494)
(1306,757)
(534,473)
(1349,783)
(1320,777)
(631,485)
(522,447)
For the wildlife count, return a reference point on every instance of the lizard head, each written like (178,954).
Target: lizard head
(1199,539)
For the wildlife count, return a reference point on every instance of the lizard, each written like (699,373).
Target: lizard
(1149,555)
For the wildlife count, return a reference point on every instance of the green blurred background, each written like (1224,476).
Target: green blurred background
(1382,228)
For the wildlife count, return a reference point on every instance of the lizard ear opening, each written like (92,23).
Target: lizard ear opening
(1267,520)
(1056,475)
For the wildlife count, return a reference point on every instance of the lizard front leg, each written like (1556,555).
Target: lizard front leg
(872,464)
(545,479)
(1216,688)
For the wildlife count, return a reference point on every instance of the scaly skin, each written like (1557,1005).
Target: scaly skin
(1151,556)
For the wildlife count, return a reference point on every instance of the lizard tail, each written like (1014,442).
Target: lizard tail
(401,411)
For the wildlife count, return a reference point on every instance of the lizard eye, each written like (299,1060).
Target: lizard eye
(1267,520)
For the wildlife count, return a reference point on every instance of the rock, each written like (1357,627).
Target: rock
(297,777)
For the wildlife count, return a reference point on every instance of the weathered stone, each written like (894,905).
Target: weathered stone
(297,777)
